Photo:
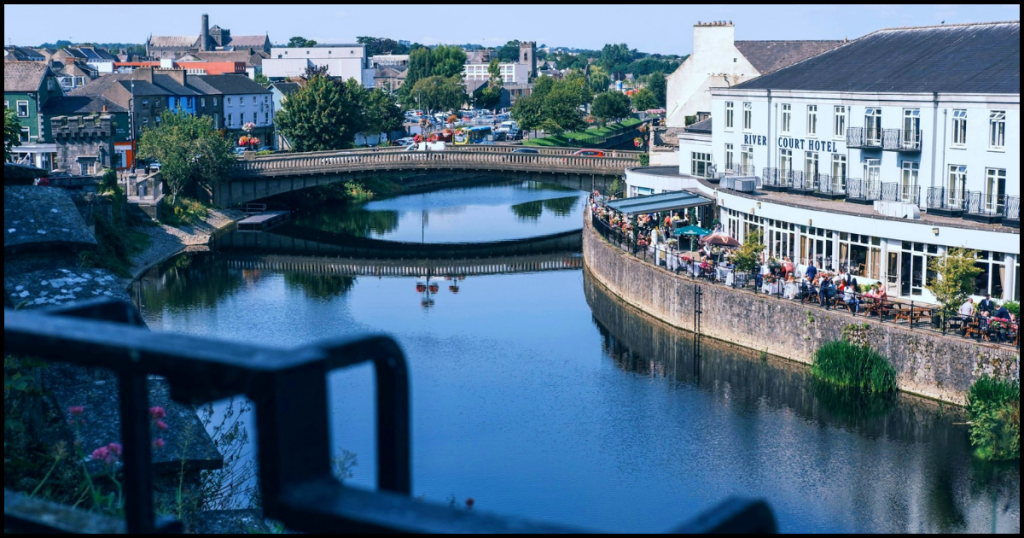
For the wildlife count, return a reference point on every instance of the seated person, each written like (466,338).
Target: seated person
(851,300)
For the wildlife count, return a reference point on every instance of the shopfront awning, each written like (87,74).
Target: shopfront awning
(656,203)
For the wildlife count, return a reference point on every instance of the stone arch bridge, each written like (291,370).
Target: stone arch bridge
(256,178)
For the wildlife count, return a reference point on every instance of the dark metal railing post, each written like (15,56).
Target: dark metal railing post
(911,321)
(135,446)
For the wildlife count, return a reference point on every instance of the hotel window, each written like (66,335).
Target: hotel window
(728,157)
(810,167)
(957,185)
(995,190)
(729,116)
(22,109)
(992,276)
(912,128)
(747,160)
(872,171)
(960,128)
(839,124)
(699,163)
(997,129)
(908,184)
(812,120)
(873,125)
(748,116)
(266,118)
(787,118)
(861,255)
(838,168)
(785,162)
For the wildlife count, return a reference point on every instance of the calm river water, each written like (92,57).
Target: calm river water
(540,396)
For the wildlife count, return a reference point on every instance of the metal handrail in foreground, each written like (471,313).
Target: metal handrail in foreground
(289,391)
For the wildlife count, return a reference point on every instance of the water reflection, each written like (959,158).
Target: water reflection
(190,281)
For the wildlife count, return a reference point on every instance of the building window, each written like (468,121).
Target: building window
(912,128)
(838,168)
(22,109)
(810,166)
(227,101)
(908,182)
(699,163)
(997,129)
(873,125)
(266,118)
(25,134)
(214,101)
(728,157)
(748,116)
(992,276)
(202,102)
(785,162)
(812,120)
(229,120)
(255,119)
(747,160)
(145,103)
(729,116)
(787,118)
(995,189)
(872,171)
(957,185)
(960,128)
(839,124)
(145,122)
(861,255)
(157,119)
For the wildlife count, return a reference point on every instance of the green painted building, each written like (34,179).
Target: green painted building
(28,86)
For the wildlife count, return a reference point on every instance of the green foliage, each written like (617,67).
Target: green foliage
(116,242)
(644,99)
(381,45)
(651,65)
(954,278)
(322,115)
(381,113)
(189,150)
(439,93)
(300,42)
(508,53)
(845,364)
(554,105)
(583,138)
(690,120)
(442,61)
(264,153)
(1013,307)
(748,255)
(616,58)
(599,81)
(261,79)
(994,409)
(12,133)
(645,159)
(183,212)
(528,111)
(659,87)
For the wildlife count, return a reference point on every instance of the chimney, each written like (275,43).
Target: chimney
(204,34)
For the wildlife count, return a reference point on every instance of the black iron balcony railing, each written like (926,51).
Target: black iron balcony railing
(831,186)
(749,170)
(985,207)
(898,192)
(942,201)
(863,191)
(800,182)
(776,179)
(864,137)
(1011,211)
(901,140)
(289,391)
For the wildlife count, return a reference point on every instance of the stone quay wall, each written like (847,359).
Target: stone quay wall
(927,364)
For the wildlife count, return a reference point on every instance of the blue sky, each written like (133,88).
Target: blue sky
(657,28)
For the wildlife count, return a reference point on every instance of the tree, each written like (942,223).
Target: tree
(561,108)
(443,61)
(439,93)
(508,53)
(954,278)
(321,116)
(599,80)
(381,45)
(381,113)
(644,99)
(12,133)
(748,255)
(490,95)
(300,42)
(615,59)
(576,83)
(610,106)
(189,150)
(659,87)
(528,111)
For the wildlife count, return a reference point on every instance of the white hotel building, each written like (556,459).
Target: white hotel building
(875,156)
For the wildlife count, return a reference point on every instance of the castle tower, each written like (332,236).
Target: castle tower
(204,34)
(528,56)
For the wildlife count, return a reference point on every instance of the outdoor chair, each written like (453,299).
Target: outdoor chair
(972,329)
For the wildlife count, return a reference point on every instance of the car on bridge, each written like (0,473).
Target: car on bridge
(588,153)
(405,142)
(525,150)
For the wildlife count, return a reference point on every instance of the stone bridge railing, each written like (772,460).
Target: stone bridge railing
(551,161)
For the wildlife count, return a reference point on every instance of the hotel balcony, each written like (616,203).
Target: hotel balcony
(802,183)
(864,138)
(830,187)
(901,140)
(984,207)
(859,191)
(775,180)
(1011,212)
(944,203)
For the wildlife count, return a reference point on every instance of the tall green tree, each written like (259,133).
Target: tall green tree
(508,53)
(489,96)
(300,42)
(954,278)
(381,113)
(576,83)
(12,133)
(441,61)
(644,99)
(659,87)
(321,116)
(610,106)
(599,80)
(381,45)
(748,255)
(561,108)
(528,111)
(439,93)
(615,59)
(189,150)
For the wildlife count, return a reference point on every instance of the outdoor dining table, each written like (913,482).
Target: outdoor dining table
(909,313)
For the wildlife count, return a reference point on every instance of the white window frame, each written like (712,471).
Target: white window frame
(959,131)
(872,171)
(997,130)
(787,118)
(214,101)
(956,185)
(840,164)
(991,194)
(912,127)
(28,110)
(25,133)
(746,158)
(910,177)
(748,116)
(729,115)
(839,125)
(202,102)
(728,157)
(812,121)
(785,158)
(227,101)
(812,166)
(705,159)
(873,124)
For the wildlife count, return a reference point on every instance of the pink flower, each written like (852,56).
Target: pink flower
(157,413)
(110,454)
(115,449)
(76,411)
(161,425)
(159,443)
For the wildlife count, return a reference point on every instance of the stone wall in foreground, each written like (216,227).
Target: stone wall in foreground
(927,364)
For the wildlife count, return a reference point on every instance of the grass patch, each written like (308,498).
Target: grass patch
(186,212)
(994,408)
(590,136)
(846,364)
(116,242)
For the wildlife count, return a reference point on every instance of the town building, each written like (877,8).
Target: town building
(341,61)
(28,86)
(90,134)
(252,59)
(389,60)
(877,157)
(209,39)
(279,92)
(390,78)
(72,75)
(477,66)
(22,54)
(244,102)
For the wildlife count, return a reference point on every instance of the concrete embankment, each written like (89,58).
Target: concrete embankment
(928,364)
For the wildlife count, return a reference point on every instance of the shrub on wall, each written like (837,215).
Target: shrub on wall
(852,365)
(994,408)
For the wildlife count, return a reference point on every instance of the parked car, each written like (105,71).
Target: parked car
(525,150)
(404,142)
(588,153)
(155,166)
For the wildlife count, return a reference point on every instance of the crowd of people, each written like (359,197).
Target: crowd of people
(991,319)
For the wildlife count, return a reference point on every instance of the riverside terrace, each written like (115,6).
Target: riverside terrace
(771,280)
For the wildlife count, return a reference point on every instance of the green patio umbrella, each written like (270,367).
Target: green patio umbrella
(692,231)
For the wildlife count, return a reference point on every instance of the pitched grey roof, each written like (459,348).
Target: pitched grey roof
(965,58)
(254,41)
(770,56)
(24,54)
(255,59)
(173,41)
(286,88)
(234,84)
(199,85)
(81,104)
(24,76)
(700,127)
(170,85)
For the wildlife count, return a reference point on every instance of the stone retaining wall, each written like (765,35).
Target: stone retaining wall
(927,364)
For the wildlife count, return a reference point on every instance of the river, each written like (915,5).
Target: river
(539,395)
